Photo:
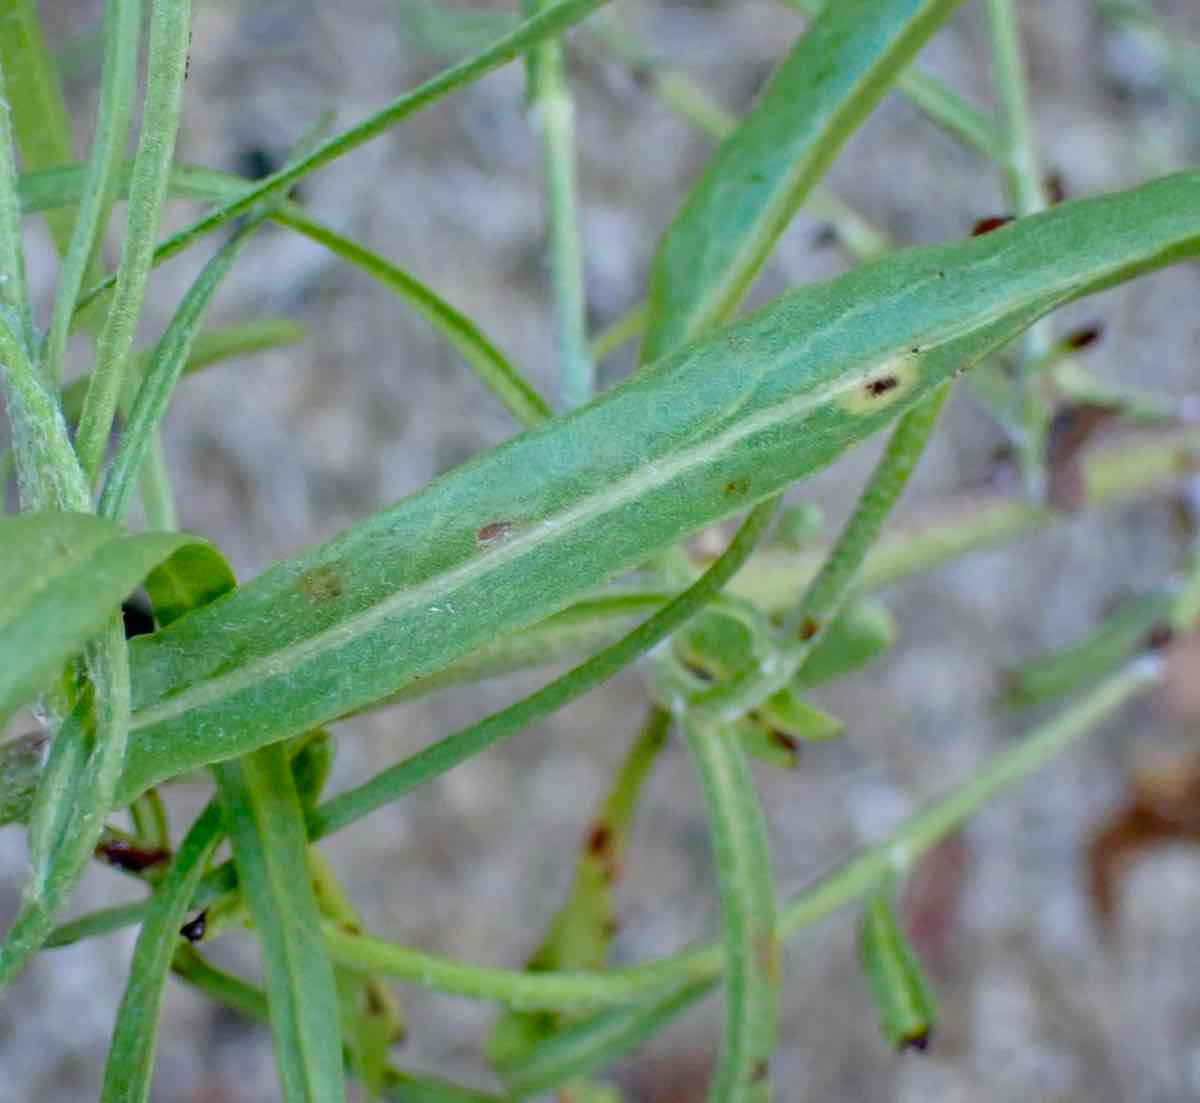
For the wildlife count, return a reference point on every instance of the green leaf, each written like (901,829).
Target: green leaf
(862,632)
(167,53)
(796,718)
(193,576)
(582,929)
(35,100)
(890,966)
(747,892)
(593,1043)
(211,347)
(515,535)
(769,745)
(834,76)
(62,577)
(130,1065)
(1109,644)
(266,826)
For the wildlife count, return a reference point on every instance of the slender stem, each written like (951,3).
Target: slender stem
(1027,189)
(118,81)
(806,625)
(552,109)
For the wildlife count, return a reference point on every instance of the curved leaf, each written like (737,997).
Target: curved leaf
(62,577)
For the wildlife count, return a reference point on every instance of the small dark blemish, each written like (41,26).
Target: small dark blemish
(919,1041)
(737,486)
(194,929)
(122,854)
(1160,637)
(611,926)
(768,955)
(826,237)
(987,225)
(1084,337)
(493,531)
(1056,189)
(783,741)
(321,584)
(599,840)
(878,387)
(760,1072)
(808,628)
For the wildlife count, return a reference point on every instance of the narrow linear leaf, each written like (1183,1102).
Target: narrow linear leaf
(209,348)
(497,374)
(14,288)
(170,41)
(118,83)
(546,24)
(62,577)
(166,365)
(903,1001)
(747,892)
(514,536)
(130,1065)
(594,1043)
(35,101)
(581,930)
(266,826)
(834,76)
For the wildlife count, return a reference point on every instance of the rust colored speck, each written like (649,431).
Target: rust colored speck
(1160,637)
(882,385)
(493,531)
(130,857)
(760,1072)
(1084,337)
(768,956)
(987,225)
(321,584)
(737,486)
(808,628)
(193,930)
(599,840)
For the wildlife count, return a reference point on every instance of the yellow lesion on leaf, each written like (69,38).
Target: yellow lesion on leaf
(883,385)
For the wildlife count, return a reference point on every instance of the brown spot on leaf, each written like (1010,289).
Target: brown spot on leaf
(1084,337)
(808,628)
(127,855)
(321,584)
(493,531)
(987,225)
(737,487)
(193,930)
(599,840)
(760,1072)
(881,385)
(783,741)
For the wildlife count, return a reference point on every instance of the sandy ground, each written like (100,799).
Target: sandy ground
(1039,1002)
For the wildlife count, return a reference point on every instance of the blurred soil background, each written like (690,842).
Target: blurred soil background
(1040,1002)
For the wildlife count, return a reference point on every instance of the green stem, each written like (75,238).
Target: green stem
(118,81)
(806,625)
(1027,189)
(552,109)
(170,39)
